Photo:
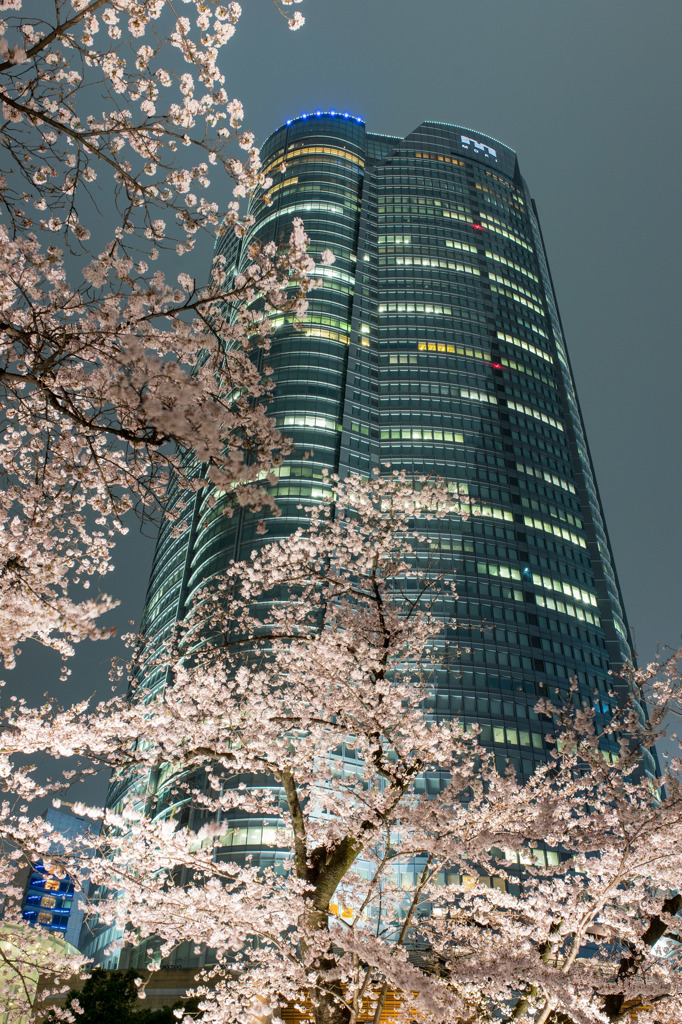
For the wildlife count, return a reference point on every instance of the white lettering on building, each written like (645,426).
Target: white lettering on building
(479,147)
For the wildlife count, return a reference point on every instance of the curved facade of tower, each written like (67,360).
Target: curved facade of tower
(435,345)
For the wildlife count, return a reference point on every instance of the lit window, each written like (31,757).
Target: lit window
(301,152)
(535,413)
(510,263)
(558,531)
(321,422)
(452,244)
(496,226)
(511,340)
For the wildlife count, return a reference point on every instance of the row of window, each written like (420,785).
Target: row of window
(307,207)
(535,413)
(307,150)
(558,531)
(516,202)
(543,474)
(516,297)
(558,458)
(315,317)
(525,345)
(507,184)
(511,364)
(516,287)
(510,209)
(548,583)
(452,243)
(435,383)
(578,612)
(429,240)
(426,261)
(495,225)
(511,264)
(462,214)
(421,434)
(489,549)
(554,604)
(552,510)
(413,201)
(445,348)
(441,159)
(319,422)
(414,307)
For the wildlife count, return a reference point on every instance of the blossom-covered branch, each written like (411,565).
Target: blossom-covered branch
(117,122)
(405,861)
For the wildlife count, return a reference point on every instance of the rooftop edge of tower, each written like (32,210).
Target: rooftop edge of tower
(468,141)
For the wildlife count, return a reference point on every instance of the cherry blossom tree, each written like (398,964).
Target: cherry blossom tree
(299,699)
(116,124)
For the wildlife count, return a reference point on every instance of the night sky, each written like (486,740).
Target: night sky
(588,94)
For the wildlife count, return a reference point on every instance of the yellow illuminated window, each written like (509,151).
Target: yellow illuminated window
(516,201)
(506,185)
(301,152)
(477,396)
(452,244)
(461,214)
(458,350)
(324,332)
(443,159)
(281,184)
(490,512)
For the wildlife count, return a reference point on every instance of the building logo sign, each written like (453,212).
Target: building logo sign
(478,147)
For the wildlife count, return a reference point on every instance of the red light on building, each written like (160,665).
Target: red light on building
(478,227)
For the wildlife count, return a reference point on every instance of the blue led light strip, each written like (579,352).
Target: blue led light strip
(326,113)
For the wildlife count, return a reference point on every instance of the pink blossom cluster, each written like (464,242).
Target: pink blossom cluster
(550,899)
(110,370)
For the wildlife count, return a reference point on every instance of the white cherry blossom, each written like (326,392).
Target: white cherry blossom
(486,899)
(106,368)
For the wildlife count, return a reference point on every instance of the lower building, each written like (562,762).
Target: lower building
(54,903)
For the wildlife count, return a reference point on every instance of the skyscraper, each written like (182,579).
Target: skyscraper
(435,345)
